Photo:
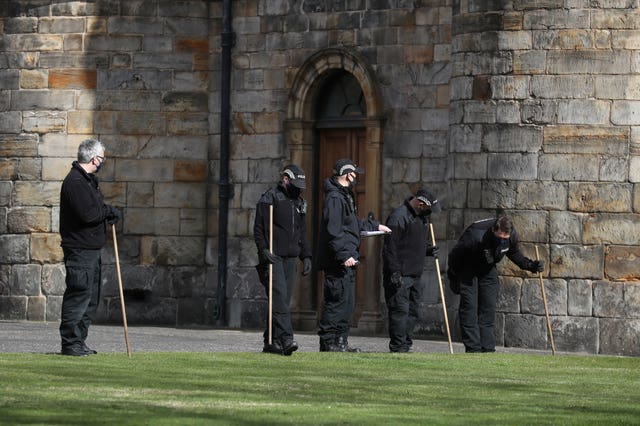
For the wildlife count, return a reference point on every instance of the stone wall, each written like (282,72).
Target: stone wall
(544,122)
(529,106)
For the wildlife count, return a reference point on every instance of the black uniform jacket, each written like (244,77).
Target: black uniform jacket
(405,248)
(289,224)
(467,259)
(339,233)
(82,210)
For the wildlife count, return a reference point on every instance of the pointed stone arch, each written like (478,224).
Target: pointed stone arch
(300,137)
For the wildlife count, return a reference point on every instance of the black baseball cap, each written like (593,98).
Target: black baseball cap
(295,175)
(429,199)
(344,166)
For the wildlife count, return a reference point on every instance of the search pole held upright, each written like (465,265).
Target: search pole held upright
(546,309)
(271,276)
(124,312)
(444,304)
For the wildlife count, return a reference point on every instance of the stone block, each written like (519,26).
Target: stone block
(470,166)
(603,197)
(32,42)
(144,80)
(626,113)
(13,308)
(619,336)
(28,219)
(579,298)
(185,124)
(172,250)
(53,280)
(608,299)
(144,170)
(563,39)
(555,292)
(562,87)
(34,79)
(632,299)
(508,112)
(18,145)
(498,193)
(44,121)
(152,221)
(14,248)
(180,195)
(529,62)
(45,248)
(36,308)
(573,334)
(634,169)
(139,194)
(611,229)
(60,145)
(479,112)
(525,331)
(36,194)
(5,280)
(53,309)
(509,295)
(10,122)
(509,87)
(5,194)
(80,122)
(22,168)
(546,195)
(169,61)
(140,123)
(38,100)
(577,261)
(574,62)
(565,227)
(26,280)
(193,222)
(538,112)
(585,111)
(617,87)
(567,167)
(512,166)
(614,169)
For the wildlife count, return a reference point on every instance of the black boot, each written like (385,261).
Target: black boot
(273,348)
(289,347)
(329,346)
(343,344)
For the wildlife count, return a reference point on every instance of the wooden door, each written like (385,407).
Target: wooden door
(333,145)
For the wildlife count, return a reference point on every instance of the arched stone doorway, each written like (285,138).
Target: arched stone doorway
(304,136)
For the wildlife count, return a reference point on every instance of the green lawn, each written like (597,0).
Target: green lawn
(318,388)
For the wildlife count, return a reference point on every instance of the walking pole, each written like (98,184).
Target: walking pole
(271,276)
(444,305)
(546,309)
(124,313)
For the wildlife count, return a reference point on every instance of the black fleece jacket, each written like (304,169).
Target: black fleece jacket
(82,210)
(340,228)
(405,248)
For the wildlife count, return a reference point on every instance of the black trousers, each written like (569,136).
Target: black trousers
(284,276)
(81,297)
(339,304)
(478,298)
(402,304)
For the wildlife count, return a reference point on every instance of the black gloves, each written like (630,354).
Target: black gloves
(536,266)
(306,266)
(268,257)
(433,251)
(396,279)
(113,215)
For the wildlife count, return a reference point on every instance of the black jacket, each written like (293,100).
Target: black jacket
(289,224)
(405,248)
(467,259)
(339,233)
(82,210)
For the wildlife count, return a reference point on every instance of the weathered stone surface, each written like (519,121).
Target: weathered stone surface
(567,167)
(525,331)
(5,280)
(25,280)
(585,140)
(36,193)
(13,308)
(608,299)
(574,334)
(172,250)
(632,299)
(620,336)
(509,296)
(44,121)
(555,292)
(18,145)
(593,197)
(574,261)
(28,219)
(14,249)
(152,221)
(53,280)
(541,195)
(45,248)
(579,298)
(611,229)
(36,308)
(621,263)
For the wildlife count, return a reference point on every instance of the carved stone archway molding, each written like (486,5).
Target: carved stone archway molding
(300,137)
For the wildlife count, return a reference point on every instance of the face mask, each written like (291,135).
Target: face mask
(99,166)
(293,191)
(352,181)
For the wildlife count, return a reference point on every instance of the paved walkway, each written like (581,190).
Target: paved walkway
(37,337)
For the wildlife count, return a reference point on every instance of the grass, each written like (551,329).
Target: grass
(318,388)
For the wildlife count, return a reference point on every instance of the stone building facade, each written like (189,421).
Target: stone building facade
(531,107)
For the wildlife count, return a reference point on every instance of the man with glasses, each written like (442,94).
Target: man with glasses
(83,215)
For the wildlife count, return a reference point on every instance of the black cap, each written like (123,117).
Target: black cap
(429,199)
(295,175)
(344,166)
